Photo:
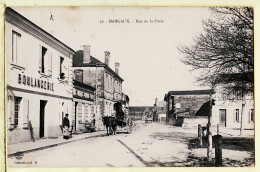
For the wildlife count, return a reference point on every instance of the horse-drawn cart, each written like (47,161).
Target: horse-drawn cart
(114,125)
(125,125)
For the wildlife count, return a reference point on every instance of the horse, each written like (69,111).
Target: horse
(111,124)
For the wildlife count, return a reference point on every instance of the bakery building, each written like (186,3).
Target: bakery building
(38,80)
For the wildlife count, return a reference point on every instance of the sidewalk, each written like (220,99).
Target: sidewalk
(45,143)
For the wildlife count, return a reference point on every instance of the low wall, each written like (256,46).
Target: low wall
(193,122)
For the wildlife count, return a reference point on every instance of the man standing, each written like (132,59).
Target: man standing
(66,126)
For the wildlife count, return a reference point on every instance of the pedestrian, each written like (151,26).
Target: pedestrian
(66,126)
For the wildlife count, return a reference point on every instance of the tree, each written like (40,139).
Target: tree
(224,53)
(225,47)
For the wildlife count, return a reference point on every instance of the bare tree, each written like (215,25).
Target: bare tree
(224,53)
(225,47)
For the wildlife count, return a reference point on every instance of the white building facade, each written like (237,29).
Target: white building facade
(228,113)
(38,80)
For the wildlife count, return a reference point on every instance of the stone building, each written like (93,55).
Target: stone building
(38,80)
(180,104)
(107,82)
(83,103)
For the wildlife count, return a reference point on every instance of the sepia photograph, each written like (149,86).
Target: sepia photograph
(129,86)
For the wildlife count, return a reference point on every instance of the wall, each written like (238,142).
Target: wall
(87,112)
(230,107)
(193,122)
(53,116)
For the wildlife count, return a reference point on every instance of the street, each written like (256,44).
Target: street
(152,145)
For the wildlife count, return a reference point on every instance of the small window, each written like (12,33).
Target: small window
(62,74)
(16,47)
(237,115)
(17,101)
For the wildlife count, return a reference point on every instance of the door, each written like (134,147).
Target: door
(42,117)
(222,117)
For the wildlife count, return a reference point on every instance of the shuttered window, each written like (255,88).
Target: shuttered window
(17,101)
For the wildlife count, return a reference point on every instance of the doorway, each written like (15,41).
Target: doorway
(222,117)
(42,117)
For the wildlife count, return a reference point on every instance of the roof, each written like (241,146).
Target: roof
(140,108)
(78,62)
(203,110)
(83,85)
(189,92)
(236,77)
(11,11)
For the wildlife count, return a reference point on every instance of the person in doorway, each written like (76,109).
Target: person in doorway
(66,126)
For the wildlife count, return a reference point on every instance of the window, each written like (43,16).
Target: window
(43,59)
(237,115)
(17,101)
(62,74)
(251,117)
(16,47)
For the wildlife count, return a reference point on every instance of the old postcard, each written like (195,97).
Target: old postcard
(129,86)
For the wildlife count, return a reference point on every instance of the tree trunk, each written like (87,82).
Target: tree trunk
(209,149)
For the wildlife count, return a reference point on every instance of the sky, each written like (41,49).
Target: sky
(147,52)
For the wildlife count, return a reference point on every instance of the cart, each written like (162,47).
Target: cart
(90,127)
(125,125)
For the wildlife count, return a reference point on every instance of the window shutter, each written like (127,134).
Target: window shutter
(50,64)
(40,58)
(68,73)
(11,114)
(14,48)
(46,62)
(234,115)
(19,49)
(249,116)
(25,112)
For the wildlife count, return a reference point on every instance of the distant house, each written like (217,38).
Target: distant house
(140,112)
(180,104)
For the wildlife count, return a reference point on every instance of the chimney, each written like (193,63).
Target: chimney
(107,55)
(86,53)
(117,68)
